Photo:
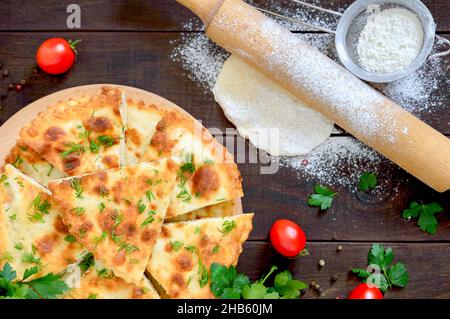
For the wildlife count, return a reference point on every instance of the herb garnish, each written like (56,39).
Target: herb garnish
(385,275)
(202,273)
(79,210)
(75,183)
(70,239)
(73,148)
(150,219)
(322,198)
(183,194)
(227,227)
(216,249)
(94,147)
(176,245)
(50,170)
(367,181)
(189,165)
(425,214)
(17,162)
(227,283)
(101,207)
(150,196)
(47,287)
(40,208)
(141,206)
(86,262)
(106,140)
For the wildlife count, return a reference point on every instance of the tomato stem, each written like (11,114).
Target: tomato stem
(73,45)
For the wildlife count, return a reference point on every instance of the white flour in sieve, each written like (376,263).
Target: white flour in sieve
(423,93)
(390,40)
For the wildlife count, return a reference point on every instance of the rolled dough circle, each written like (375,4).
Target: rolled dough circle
(265,113)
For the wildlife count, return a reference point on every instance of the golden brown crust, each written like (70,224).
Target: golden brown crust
(216,178)
(117,214)
(30,229)
(182,247)
(63,134)
(94,286)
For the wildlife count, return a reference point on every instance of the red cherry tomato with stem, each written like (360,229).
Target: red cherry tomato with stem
(287,238)
(56,55)
(363,291)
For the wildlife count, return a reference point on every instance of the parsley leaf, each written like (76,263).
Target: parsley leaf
(223,281)
(367,181)
(287,287)
(227,283)
(386,274)
(427,220)
(47,287)
(398,275)
(322,198)
(361,273)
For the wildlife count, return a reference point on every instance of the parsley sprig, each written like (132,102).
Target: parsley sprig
(227,283)
(49,286)
(425,214)
(322,198)
(389,274)
(367,181)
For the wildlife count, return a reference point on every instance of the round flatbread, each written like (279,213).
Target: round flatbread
(269,116)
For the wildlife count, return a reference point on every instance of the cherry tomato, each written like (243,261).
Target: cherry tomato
(56,55)
(363,291)
(287,238)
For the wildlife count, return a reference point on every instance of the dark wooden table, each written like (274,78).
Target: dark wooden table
(129,42)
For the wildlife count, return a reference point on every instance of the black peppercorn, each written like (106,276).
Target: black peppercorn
(22,82)
(5,73)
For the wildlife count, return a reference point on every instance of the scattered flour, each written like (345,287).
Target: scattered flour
(390,40)
(340,160)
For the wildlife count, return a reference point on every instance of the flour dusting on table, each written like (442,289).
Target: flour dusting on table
(339,162)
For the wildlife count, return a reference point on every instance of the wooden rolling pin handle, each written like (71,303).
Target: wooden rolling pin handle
(328,88)
(204,9)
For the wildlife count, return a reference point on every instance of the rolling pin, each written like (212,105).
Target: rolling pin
(328,88)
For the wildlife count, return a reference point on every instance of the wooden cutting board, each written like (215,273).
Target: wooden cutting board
(9,131)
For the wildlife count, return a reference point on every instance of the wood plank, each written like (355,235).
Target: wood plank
(427,279)
(143,60)
(155,15)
